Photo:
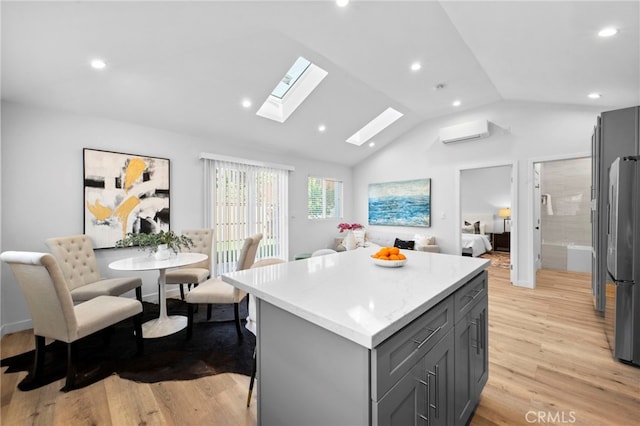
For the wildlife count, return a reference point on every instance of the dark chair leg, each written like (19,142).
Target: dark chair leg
(71,367)
(139,293)
(137,326)
(189,320)
(106,336)
(253,377)
(209,310)
(237,317)
(38,362)
(182,291)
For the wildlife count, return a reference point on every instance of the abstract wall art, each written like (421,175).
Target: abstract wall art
(404,203)
(124,193)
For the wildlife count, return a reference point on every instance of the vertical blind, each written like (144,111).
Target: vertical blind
(243,199)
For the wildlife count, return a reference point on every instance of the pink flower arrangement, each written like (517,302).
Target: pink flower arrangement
(346,226)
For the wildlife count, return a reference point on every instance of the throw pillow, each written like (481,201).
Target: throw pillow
(349,241)
(476,226)
(467,229)
(424,240)
(402,244)
(359,236)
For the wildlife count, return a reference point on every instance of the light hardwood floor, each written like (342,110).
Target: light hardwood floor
(549,364)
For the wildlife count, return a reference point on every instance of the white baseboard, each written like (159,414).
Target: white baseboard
(15,327)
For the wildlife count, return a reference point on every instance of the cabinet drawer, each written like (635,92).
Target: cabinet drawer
(468,295)
(394,357)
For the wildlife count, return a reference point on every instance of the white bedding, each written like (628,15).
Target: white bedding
(478,243)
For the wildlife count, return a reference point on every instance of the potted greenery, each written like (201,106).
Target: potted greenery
(159,243)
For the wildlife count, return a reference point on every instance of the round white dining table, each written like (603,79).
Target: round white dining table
(164,325)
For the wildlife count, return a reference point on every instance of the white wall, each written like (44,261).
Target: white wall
(520,131)
(485,191)
(42,197)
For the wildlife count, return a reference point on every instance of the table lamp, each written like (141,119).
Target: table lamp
(505,213)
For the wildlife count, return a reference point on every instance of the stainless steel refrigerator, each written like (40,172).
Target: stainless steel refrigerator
(622,312)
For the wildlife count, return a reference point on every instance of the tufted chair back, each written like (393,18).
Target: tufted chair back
(46,292)
(248,253)
(202,241)
(76,258)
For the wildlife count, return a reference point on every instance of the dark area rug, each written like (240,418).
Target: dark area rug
(213,349)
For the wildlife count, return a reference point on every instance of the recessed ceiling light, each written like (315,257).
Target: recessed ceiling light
(372,144)
(456,103)
(594,95)
(608,32)
(322,128)
(98,64)
(246,103)
(342,3)
(416,66)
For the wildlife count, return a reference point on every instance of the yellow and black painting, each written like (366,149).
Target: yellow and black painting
(124,193)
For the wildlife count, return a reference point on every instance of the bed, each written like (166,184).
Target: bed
(475,244)
(474,238)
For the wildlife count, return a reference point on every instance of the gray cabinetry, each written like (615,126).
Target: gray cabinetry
(471,349)
(471,360)
(398,354)
(424,395)
(432,371)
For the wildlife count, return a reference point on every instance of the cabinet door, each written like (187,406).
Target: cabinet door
(403,402)
(439,386)
(423,396)
(466,336)
(480,355)
(471,360)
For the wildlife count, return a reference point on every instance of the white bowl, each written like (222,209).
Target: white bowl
(389,263)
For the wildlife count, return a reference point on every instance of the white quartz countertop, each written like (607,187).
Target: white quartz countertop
(349,295)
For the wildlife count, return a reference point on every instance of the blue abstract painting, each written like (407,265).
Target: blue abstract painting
(405,203)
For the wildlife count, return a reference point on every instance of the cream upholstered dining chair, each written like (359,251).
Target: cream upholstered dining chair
(214,290)
(78,262)
(251,319)
(322,252)
(54,314)
(198,272)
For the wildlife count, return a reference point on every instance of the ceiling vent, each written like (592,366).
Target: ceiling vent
(465,131)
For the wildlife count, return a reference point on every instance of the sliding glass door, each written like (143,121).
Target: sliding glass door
(241,200)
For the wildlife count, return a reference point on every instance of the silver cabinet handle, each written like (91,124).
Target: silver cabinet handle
(435,406)
(425,401)
(483,322)
(476,292)
(433,332)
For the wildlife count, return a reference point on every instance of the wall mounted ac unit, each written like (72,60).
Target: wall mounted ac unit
(465,131)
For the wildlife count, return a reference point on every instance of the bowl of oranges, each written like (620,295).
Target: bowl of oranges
(389,257)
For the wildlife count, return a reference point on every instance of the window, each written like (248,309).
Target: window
(302,78)
(242,199)
(325,198)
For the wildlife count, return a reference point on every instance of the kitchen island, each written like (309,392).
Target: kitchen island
(344,341)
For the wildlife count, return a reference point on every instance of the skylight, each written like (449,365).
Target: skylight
(375,126)
(298,83)
(290,78)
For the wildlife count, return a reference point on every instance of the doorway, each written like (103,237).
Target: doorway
(487,200)
(561,213)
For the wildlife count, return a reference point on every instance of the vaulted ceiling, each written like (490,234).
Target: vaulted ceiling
(186,66)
